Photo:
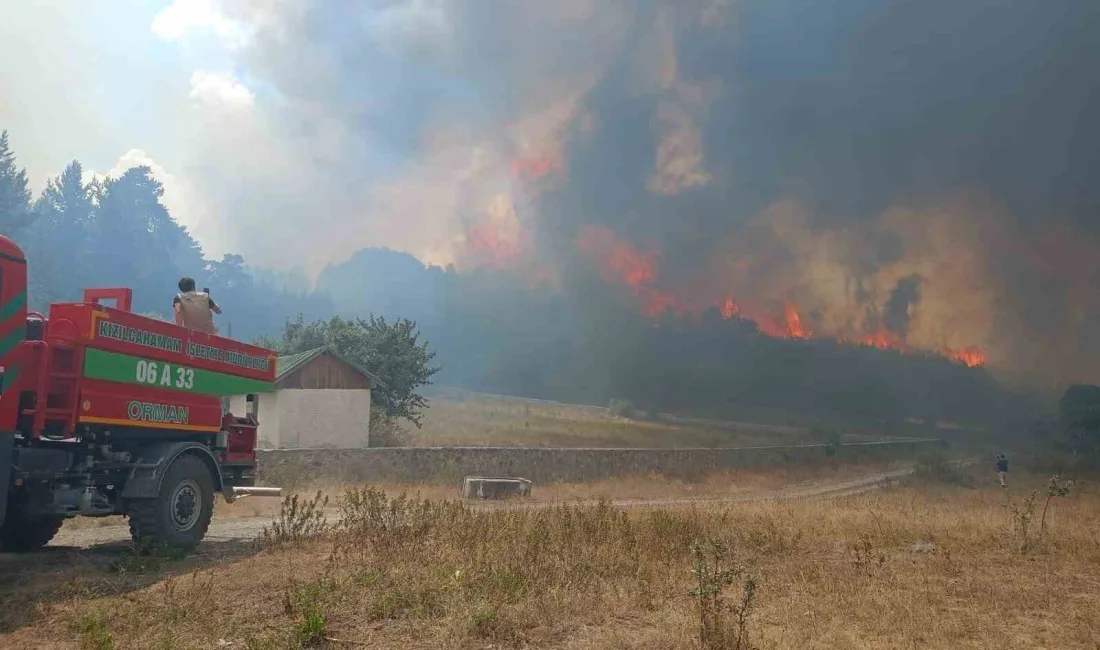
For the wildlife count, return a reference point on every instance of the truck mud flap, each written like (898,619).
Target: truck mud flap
(7,451)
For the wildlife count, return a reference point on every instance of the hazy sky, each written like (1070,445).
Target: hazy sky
(298,131)
(166,83)
(777,149)
(294,133)
(95,82)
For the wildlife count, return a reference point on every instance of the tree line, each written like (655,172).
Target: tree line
(587,343)
(488,331)
(117,232)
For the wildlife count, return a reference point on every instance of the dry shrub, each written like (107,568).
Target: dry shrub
(1024,511)
(723,625)
(299,520)
(368,515)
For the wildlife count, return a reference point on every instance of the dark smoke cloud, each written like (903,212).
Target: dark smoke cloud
(827,153)
(902,299)
(853,106)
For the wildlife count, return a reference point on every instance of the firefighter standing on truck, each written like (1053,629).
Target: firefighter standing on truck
(194,309)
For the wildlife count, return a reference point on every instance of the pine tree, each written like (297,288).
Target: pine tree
(15,197)
(56,243)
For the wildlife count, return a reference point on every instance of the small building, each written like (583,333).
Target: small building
(321,399)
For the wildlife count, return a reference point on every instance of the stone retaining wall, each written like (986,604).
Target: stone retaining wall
(547,465)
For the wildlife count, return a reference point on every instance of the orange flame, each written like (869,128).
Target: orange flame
(883,339)
(789,326)
(971,357)
(792,327)
(490,246)
(618,260)
(621,263)
(795,329)
(729,308)
(770,327)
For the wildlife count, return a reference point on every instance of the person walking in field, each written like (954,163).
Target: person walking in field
(1002,468)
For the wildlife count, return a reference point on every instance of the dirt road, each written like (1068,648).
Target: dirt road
(235,529)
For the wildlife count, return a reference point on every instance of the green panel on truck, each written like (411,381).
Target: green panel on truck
(127,369)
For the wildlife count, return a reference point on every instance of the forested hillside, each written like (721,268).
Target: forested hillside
(584,341)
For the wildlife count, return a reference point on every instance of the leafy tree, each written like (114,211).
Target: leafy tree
(15,197)
(390,350)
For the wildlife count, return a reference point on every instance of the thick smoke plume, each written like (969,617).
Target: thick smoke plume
(914,175)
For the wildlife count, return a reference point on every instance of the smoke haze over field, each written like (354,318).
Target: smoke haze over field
(914,175)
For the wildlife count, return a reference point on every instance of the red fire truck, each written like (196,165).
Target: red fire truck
(106,412)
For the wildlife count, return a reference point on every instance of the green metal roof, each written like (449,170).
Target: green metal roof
(284,366)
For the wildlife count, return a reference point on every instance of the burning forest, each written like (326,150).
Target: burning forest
(904,189)
(620,263)
(642,181)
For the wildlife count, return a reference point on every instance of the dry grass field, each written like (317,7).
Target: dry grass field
(712,486)
(461,419)
(944,561)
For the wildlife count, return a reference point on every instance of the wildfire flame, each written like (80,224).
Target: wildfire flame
(729,308)
(790,326)
(493,248)
(883,339)
(787,326)
(620,262)
(794,323)
(971,357)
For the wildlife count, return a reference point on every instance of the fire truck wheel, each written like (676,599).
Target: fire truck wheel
(23,533)
(179,516)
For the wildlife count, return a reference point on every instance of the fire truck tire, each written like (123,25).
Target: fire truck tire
(24,533)
(180,514)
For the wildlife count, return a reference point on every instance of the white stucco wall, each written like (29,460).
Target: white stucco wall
(295,418)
